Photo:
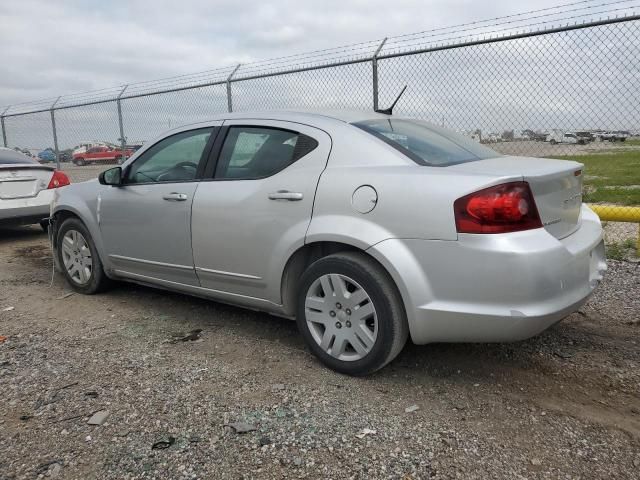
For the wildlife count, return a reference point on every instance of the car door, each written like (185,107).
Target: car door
(145,223)
(255,210)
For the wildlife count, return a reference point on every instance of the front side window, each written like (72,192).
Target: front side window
(257,152)
(426,144)
(173,159)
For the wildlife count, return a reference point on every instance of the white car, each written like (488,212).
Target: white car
(567,138)
(26,189)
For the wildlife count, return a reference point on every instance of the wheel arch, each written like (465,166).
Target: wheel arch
(307,254)
(64,212)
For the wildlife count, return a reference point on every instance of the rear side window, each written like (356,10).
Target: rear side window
(11,157)
(250,153)
(426,144)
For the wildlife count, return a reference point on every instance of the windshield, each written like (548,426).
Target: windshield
(426,144)
(8,156)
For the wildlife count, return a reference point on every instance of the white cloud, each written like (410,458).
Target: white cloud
(51,48)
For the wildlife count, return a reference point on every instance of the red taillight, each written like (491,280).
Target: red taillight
(59,179)
(504,208)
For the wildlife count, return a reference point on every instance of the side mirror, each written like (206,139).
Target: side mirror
(112,177)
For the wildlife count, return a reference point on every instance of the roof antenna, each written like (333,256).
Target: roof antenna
(389,111)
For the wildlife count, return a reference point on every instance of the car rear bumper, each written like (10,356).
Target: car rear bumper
(25,211)
(494,288)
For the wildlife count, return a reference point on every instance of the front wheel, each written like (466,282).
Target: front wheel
(119,160)
(79,162)
(350,313)
(79,258)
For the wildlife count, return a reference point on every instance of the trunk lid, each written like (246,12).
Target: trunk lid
(556,186)
(23,181)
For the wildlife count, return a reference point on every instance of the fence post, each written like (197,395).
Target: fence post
(4,131)
(374,65)
(55,133)
(123,142)
(229,102)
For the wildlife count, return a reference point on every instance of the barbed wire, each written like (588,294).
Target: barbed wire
(491,33)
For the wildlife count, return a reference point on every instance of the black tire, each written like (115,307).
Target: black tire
(552,142)
(119,160)
(392,322)
(79,162)
(98,280)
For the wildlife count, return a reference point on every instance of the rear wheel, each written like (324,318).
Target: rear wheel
(79,258)
(119,160)
(351,314)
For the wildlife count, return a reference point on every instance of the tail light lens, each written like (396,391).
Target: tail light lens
(59,179)
(504,208)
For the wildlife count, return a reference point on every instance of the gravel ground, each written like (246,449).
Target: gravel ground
(565,404)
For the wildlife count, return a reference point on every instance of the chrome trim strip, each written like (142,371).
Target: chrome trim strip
(151,262)
(192,287)
(227,274)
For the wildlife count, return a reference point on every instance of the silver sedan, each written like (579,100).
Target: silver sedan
(366,228)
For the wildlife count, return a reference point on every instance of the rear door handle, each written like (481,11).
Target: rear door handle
(286,195)
(175,197)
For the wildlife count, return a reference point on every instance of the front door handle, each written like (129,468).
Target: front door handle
(286,195)
(175,197)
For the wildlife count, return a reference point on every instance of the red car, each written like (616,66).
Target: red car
(101,154)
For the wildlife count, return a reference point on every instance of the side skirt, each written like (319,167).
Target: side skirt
(251,303)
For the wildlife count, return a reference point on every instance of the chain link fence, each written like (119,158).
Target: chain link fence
(567,92)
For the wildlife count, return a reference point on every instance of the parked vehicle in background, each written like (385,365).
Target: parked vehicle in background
(101,154)
(365,227)
(585,136)
(134,147)
(66,155)
(538,136)
(611,136)
(47,155)
(24,151)
(621,135)
(566,138)
(26,189)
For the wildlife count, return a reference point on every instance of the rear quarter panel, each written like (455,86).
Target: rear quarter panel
(413,201)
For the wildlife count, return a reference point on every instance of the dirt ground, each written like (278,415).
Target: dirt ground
(565,404)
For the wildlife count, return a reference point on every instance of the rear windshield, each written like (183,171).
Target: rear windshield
(425,143)
(8,156)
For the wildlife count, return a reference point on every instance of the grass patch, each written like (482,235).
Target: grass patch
(611,177)
(621,250)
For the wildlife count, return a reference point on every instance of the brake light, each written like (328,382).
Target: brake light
(59,179)
(500,209)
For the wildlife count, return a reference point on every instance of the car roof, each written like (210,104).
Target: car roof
(310,116)
(322,119)
(10,156)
